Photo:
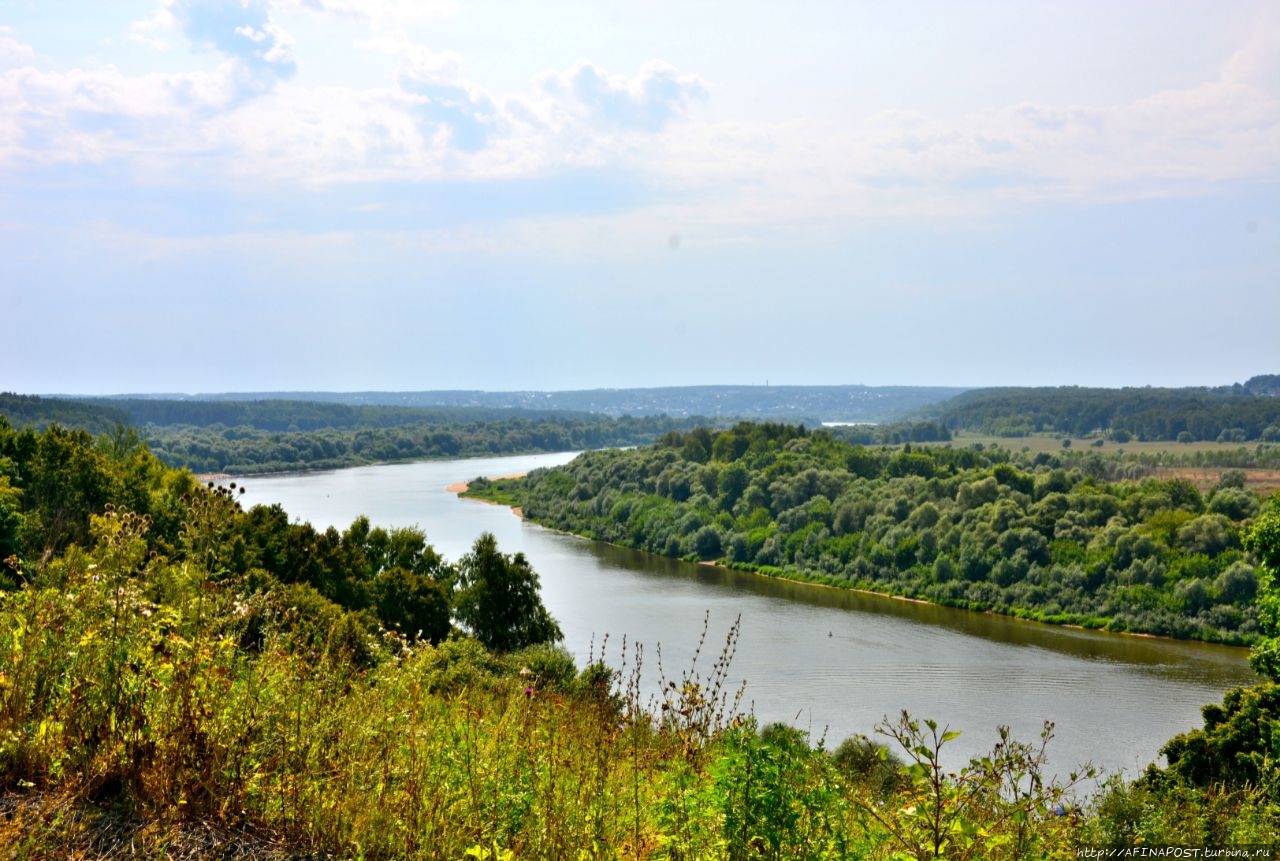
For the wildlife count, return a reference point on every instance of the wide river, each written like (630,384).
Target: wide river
(831,662)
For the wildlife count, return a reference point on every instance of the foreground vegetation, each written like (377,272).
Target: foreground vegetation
(1060,538)
(180,675)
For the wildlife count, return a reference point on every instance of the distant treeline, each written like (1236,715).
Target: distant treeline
(810,404)
(892,434)
(243,450)
(301,415)
(1068,538)
(1238,413)
(39,413)
(331,430)
(276,436)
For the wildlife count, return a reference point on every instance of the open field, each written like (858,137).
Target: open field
(1263,481)
(1053,443)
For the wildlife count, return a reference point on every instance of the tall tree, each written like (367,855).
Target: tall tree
(498,599)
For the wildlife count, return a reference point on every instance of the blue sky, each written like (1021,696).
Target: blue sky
(214,195)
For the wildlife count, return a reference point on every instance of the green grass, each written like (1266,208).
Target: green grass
(499,491)
(144,703)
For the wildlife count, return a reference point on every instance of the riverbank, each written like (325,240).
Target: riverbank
(1022,614)
(1115,699)
(461,487)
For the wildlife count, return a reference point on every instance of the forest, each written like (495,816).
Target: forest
(1077,537)
(249,450)
(1239,413)
(180,677)
(255,437)
(242,434)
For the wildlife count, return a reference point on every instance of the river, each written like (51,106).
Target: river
(832,662)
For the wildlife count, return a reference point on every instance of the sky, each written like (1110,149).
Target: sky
(270,195)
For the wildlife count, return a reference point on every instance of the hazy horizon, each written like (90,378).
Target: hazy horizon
(274,392)
(210,196)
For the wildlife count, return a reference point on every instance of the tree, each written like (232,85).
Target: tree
(706,543)
(10,528)
(1263,540)
(1235,747)
(414,603)
(498,599)
(67,480)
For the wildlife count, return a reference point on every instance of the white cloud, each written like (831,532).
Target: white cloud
(147,123)
(646,101)
(381,14)
(415,59)
(150,31)
(1257,62)
(14,52)
(239,29)
(250,122)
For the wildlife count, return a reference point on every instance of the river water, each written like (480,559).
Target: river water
(832,662)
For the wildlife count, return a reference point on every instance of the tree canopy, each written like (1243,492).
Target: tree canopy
(1264,540)
(498,599)
(1075,536)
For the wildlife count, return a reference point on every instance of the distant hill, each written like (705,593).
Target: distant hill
(1237,413)
(810,404)
(1240,412)
(39,413)
(295,414)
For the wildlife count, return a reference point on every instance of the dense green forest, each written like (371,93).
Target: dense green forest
(38,412)
(244,450)
(1067,537)
(1239,413)
(183,678)
(898,433)
(240,438)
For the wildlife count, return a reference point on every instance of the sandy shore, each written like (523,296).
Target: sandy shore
(461,486)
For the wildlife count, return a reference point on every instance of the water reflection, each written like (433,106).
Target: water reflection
(1198,662)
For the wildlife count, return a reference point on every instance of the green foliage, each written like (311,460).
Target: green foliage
(11,528)
(183,670)
(998,806)
(862,761)
(39,413)
(498,599)
(1221,786)
(413,603)
(1146,413)
(264,436)
(1239,744)
(1044,536)
(776,796)
(1263,540)
(1127,814)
